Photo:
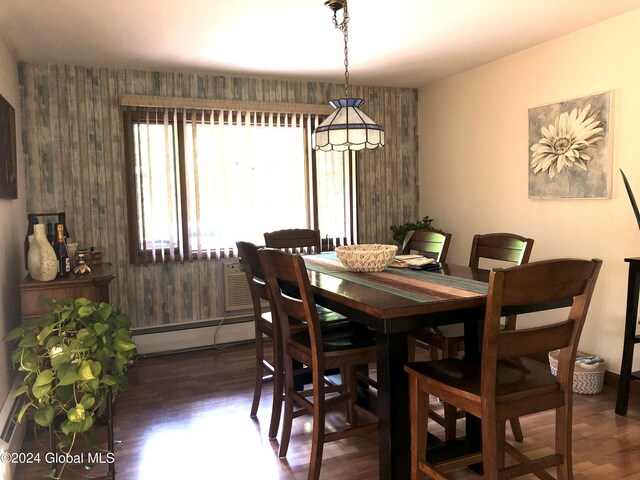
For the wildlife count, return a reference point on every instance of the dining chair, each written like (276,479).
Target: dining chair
(507,383)
(263,327)
(343,348)
(294,240)
(449,339)
(430,243)
(302,241)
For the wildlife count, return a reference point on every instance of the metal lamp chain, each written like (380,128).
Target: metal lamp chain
(342,26)
(346,53)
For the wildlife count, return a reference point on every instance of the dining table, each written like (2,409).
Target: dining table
(393,302)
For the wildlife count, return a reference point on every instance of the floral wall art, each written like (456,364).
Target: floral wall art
(570,148)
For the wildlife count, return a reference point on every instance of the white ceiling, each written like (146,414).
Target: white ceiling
(402,43)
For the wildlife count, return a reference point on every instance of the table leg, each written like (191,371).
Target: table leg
(473,426)
(624,384)
(393,411)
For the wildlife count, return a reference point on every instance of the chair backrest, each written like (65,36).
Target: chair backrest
(507,247)
(248,253)
(537,286)
(428,243)
(285,269)
(294,240)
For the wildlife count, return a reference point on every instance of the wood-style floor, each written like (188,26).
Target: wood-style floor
(186,416)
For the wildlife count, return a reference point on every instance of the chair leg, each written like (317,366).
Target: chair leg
(450,415)
(350,385)
(278,391)
(500,440)
(563,440)
(317,437)
(418,413)
(257,389)
(411,348)
(288,409)
(516,429)
(490,432)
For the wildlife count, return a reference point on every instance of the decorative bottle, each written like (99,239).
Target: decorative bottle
(62,254)
(41,260)
(51,236)
(28,238)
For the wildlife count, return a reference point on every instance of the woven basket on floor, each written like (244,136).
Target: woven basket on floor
(587,379)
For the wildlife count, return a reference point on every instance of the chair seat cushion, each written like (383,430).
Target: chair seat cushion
(329,316)
(342,336)
(516,378)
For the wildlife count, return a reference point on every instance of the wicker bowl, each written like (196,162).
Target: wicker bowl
(373,257)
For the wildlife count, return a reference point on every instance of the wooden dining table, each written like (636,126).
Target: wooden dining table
(394,302)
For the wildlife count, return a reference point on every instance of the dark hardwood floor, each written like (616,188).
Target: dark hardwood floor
(186,416)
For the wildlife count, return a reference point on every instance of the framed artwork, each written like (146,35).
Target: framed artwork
(8,156)
(570,148)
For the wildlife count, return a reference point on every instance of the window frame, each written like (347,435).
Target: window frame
(154,115)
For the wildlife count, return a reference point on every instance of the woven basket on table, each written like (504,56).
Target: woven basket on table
(369,257)
(587,379)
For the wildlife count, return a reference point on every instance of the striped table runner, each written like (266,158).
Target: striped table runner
(418,285)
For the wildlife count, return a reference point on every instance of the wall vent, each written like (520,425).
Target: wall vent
(236,290)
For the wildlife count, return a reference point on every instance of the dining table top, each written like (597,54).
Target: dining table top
(394,302)
(396,299)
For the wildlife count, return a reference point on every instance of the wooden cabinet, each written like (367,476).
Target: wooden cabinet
(94,287)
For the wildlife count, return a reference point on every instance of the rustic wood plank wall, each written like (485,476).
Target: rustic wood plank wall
(73,143)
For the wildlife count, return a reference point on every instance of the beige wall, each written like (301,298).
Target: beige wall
(474,157)
(13,224)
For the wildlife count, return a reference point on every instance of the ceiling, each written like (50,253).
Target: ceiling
(400,43)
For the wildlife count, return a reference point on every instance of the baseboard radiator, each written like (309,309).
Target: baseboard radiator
(12,431)
(234,322)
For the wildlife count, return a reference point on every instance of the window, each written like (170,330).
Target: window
(199,180)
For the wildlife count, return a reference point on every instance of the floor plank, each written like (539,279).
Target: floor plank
(186,416)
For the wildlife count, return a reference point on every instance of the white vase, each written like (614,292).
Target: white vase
(42,261)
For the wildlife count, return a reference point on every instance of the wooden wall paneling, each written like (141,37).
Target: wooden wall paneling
(57,182)
(43,174)
(67,153)
(96,140)
(85,138)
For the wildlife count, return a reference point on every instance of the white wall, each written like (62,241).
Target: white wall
(473,131)
(13,224)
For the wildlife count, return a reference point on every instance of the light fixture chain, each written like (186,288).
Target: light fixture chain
(346,55)
(343,27)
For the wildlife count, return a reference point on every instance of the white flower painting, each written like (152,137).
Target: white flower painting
(569,149)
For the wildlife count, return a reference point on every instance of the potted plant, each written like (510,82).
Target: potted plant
(400,231)
(74,360)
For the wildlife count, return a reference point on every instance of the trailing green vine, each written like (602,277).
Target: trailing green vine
(71,357)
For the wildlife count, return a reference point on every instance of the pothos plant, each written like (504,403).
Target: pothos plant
(400,231)
(71,357)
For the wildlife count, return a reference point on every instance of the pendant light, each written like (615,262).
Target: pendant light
(348,127)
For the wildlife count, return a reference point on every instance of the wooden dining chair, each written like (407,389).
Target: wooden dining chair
(507,383)
(263,326)
(302,241)
(449,339)
(430,243)
(343,348)
(294,240)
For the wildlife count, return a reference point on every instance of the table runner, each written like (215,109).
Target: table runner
(418,285)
